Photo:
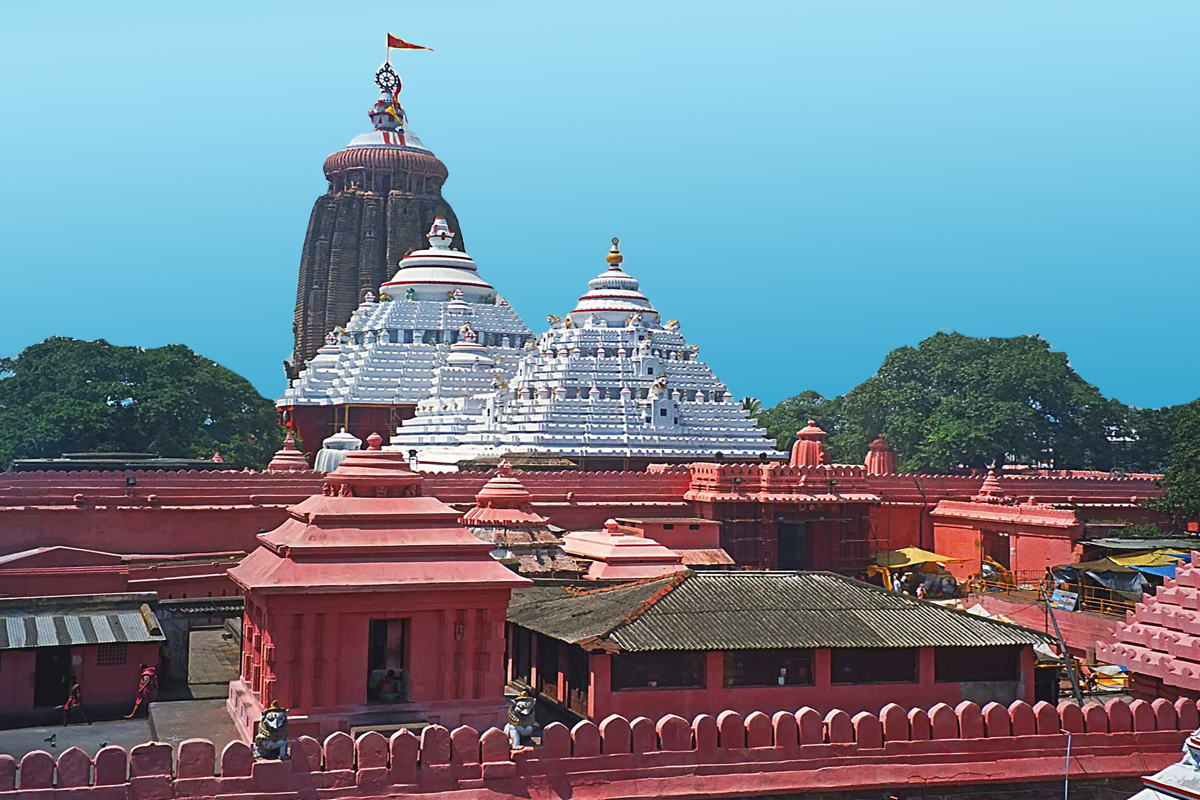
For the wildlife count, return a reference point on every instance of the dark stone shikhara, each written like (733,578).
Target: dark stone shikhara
(382,199)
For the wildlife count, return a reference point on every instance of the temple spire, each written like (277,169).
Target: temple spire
(881,458)
(809,450)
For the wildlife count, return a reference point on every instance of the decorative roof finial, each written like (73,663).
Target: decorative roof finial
(614,257)
(440,236)
(387,79)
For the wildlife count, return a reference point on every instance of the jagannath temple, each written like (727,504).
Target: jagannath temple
(663,606)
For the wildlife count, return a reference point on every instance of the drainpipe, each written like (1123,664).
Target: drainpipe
(921,515)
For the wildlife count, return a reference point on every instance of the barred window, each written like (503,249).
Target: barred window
(111,654)
(768,667)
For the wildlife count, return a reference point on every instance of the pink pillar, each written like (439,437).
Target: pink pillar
(714,672)
(561,682)
(600,688)
(926,673)
(510,653)
(1028,668)
(822,668)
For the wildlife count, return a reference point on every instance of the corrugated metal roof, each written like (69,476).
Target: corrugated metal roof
(49,622)
(761,610)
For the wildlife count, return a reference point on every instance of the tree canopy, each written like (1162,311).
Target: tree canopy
(67,395)
(956,401)
(1182,476)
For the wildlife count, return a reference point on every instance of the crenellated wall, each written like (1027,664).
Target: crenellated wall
(727,756)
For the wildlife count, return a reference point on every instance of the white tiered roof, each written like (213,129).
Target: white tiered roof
(609,381)
(392,348)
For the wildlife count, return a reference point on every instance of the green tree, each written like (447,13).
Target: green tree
(66,395)
(956,401)
(783,420)
(1182,476)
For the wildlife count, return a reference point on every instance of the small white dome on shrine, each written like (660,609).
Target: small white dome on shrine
(613,296)
(437,272)
(467,352)
(342,441)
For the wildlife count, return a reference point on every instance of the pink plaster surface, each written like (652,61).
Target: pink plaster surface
(621,555)
(1160,638)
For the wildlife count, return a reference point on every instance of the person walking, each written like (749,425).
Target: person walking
(147,690)
(74,701)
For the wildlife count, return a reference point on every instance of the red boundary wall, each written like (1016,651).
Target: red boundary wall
(726,756)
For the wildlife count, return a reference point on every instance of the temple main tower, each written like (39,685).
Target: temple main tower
(385,191)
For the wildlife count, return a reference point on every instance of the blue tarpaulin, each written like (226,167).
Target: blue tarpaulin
(1165,571)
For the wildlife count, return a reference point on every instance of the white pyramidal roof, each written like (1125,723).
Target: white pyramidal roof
(394,344)
(610,380)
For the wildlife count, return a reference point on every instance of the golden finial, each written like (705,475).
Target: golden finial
(614,256)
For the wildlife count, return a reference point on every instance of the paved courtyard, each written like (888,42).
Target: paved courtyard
(168,722)
(89,738)
(212,657)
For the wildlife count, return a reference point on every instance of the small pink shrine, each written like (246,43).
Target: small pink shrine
(809,449)
(372,605)
(503,515)
(618,555)
(288,458)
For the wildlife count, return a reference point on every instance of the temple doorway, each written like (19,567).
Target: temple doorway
(996,547)
(795,549)
(386,658)
(51,666)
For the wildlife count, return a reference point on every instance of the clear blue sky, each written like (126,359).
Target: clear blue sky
(804,185)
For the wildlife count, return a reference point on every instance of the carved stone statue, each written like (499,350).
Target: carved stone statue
(271,736)
(521,721)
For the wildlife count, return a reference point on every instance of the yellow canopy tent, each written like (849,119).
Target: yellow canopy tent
(907,559)
(1153,558)
(911,556)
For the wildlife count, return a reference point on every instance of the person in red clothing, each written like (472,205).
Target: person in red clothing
(74,701)
(147,690)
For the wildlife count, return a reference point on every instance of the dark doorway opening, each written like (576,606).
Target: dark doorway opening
(795,548)
(51,667)
(995,547)
(386,659)
(578,680)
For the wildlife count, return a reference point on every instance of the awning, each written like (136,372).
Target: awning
(1166,571)
(76,620)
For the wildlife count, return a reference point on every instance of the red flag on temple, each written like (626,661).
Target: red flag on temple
(399,44)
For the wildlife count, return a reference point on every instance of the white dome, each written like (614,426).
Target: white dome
(613,296)
(434,273)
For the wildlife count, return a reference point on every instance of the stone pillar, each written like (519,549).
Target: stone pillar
(822,669)
(600,685)
(926,675)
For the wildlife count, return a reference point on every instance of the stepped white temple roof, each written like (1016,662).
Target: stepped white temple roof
(610,381)
(390,351)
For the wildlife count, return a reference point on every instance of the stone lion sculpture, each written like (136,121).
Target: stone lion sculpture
(271,736)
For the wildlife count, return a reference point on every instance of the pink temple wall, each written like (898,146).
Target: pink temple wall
(785,753)
(823,695)
(1030,550)
(102,684)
